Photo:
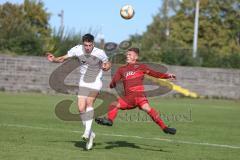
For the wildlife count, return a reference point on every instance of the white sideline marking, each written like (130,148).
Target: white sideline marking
(127,136)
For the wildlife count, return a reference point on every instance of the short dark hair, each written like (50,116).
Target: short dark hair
(136,50)
(88,38)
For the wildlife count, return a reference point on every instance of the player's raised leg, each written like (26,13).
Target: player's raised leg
(157,119)
(113,111)
(111,115)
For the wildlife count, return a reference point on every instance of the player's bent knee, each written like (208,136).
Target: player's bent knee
(81,110)
(118,105)
(89,104)
(81,107)
(145,107)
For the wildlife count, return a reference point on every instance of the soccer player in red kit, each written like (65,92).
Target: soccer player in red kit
(132,75)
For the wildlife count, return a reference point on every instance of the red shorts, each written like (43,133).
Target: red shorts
(132,101)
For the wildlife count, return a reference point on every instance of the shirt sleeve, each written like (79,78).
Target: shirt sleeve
(73,52)
(153,73)
(117,76)
(103,57)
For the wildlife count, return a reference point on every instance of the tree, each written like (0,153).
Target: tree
(169,7)
(24,28)
(64,40)
(218,27)
(219,33)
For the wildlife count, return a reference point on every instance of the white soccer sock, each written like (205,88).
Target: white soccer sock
(83,119)
(89,119)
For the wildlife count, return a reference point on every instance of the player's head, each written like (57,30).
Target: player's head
(88,42)
(132,55)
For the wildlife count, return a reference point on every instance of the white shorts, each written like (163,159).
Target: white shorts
(86,88)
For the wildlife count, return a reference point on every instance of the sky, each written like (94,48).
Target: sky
(101,16)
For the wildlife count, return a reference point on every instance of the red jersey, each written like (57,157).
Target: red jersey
(132,76)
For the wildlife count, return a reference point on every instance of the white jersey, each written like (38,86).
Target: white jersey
(91,66)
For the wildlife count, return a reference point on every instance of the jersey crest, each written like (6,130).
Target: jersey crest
(129,73)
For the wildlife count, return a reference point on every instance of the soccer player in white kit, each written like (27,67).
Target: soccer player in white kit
(93,61)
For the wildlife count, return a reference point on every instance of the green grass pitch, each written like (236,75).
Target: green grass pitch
(206,130)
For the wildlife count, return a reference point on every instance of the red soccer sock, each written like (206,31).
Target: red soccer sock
(112,112)
(156,118)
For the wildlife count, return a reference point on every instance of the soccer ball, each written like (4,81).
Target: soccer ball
(127,12)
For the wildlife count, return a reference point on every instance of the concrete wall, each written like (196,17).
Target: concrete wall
(212,82)
(23,73)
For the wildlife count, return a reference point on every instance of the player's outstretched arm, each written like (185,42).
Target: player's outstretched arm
(52,58)
(157,74)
